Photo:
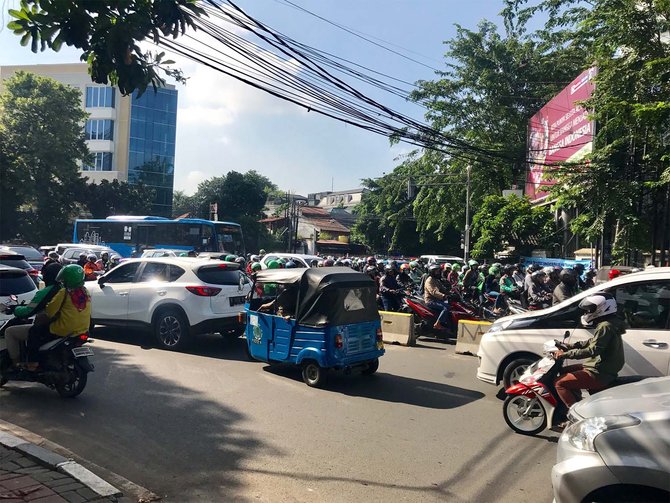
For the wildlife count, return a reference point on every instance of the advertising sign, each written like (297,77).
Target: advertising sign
(559,132)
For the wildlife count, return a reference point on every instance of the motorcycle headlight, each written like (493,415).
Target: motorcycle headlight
(582,434)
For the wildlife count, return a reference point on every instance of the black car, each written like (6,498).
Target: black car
(12,259)
(33,257)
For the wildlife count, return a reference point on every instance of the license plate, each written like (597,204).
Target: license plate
(236,301)
(82,351)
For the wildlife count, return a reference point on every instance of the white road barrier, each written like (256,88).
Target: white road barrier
(398,328)
(469,335)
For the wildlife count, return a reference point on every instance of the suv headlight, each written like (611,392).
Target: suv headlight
(499,326)
(582,434)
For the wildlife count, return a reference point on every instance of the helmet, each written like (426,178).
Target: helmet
(414,264)
(596,306)
(183,254)
(72,276)
(255,258)
(290,265)
(473,263)
(50,273)
(433,267)
(404,267)
(371,260)
(578,266)
(230,258)
(314,263)
(497,264)
(256,266)
(446,266)
(329,262)
(82,255)
(495,270)
(547,270)
(456,267)
(104,254)
(519,267)
(261,252)
(91,257)
(239,260)
(53,255)
(338,263)
(370,270)
(388,268)
(568,277)
(115,259)
(533,267)
(509,269)
(282,260)
(538,275)
(273,264)
(614,273)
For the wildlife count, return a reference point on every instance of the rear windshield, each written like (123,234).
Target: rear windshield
(217,276)
(20,263)
(28,252)
(15,283)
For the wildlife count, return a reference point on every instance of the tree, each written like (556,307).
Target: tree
(108,32)
(117,198)
(182,204)
(510,221)
(41,147)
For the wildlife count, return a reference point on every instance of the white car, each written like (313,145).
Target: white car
(300,259)
(643,298)
(175,297)
(441,259)
(14,281)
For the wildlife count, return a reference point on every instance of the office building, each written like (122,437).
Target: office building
(132,138)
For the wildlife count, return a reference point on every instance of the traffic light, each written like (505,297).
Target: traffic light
(462,240)
(317,235)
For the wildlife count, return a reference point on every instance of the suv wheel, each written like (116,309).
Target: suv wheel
(171,329)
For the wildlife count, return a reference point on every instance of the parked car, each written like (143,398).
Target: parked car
(300,259)
(441,259)
(161,252)
(14,281)
(174,297)
(33,257)
(71,255)
(617,447)
(62,247)
(13,259)
(514,342)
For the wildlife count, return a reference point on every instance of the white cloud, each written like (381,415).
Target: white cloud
(191,181)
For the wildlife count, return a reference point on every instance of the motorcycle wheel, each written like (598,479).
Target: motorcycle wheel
(524,415)
(75,386)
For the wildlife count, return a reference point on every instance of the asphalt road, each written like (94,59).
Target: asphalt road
(210,426)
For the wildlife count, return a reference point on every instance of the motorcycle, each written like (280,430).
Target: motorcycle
(63,363)
(425,317)
(532,404)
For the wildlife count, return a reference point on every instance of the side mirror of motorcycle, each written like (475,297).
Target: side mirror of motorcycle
(13,298)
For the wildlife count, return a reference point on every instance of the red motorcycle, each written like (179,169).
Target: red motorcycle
(425,317)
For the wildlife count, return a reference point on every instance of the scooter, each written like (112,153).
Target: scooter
(63,363)
(425,317)
(532,404)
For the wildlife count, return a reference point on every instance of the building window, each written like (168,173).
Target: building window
(102,161)
(99,97)
(99,129)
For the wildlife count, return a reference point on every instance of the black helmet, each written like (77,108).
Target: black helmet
(509,269)
(50,272)
(434,267)
(568,277)
(388,268)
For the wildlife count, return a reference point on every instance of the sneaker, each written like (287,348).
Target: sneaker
(560,427)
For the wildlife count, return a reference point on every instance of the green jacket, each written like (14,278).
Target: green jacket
(37,303)
(604,351)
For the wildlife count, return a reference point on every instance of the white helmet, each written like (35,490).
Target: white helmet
(597,306)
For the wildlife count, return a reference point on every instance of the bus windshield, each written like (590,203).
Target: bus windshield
(130,237)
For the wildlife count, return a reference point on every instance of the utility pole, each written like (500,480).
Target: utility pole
(466,248)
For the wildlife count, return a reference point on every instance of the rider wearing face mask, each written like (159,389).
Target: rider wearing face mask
(603,353)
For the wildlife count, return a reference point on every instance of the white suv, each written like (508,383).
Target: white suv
(175,297)
(643,299)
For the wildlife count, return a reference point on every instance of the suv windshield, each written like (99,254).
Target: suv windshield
(15,261)
(15,282)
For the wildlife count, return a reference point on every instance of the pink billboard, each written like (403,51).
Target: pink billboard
(559,132)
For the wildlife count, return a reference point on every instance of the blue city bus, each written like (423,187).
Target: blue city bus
(129,236)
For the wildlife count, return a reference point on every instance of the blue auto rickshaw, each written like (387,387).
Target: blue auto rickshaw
(317,318)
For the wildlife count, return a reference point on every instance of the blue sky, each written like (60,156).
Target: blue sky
(224,125)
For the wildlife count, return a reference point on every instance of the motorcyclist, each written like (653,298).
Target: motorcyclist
(538,295)
(415,272)
(578,269)
(18,334)
(589,279)
(603,353)
(69,310)
(389,289)
(436,297)
(519,275)
(446,271)
(114,260)
(552,280)
(454,274)
(404,279)
(508,285)
(52,257)
(91,267)
(566,288)
(103,263)
(471,279)
(83,258)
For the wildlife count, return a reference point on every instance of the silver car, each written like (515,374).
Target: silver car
(617,447)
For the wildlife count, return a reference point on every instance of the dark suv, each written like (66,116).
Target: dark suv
(12,259)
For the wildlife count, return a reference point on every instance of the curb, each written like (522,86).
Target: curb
(30,445)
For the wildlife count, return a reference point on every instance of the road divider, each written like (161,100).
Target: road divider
(398,328)
(469,336)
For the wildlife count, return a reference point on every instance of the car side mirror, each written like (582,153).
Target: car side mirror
(566,335)
(101,281)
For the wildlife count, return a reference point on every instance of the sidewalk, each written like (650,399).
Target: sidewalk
(31,473)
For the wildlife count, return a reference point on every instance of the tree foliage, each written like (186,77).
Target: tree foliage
(107,33)
(116,198)
(510,221)
(41,147)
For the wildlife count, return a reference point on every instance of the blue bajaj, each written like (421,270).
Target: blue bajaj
(318,319)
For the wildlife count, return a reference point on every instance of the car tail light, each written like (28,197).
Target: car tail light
(241,318)
(203,291)
(223,266)
(33,272)
(83,337)
(339,344)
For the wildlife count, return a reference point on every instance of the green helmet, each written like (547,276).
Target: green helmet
(72,276)
(495,270)
(473,263)
(230,258)
(414,264)
(183,254)
(282,260)
(256,266)
(273,264)
(456,267)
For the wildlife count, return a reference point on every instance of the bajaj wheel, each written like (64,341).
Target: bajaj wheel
(373,366)
(313,375)
(524,415)
(78,378)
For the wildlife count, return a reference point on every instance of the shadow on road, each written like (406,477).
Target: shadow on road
(206,345)
(171,439)
(389,388)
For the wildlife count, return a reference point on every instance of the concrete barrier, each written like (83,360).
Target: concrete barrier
(398,328)
(469,335)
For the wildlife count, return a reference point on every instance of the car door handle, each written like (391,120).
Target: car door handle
(123,294)
(161,292)
(653,343)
